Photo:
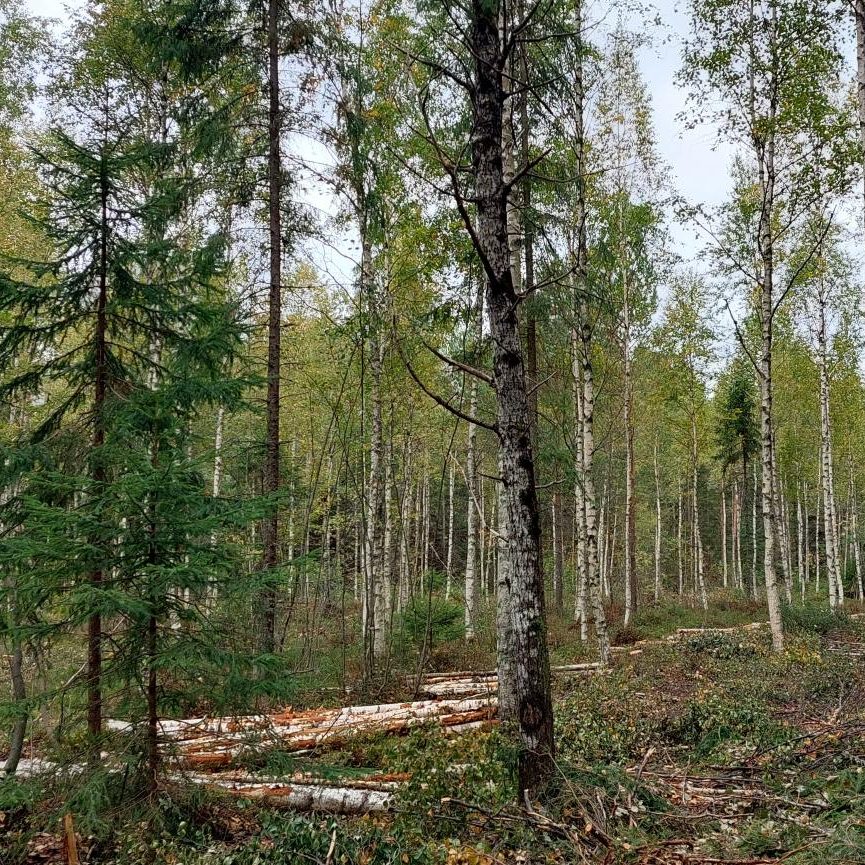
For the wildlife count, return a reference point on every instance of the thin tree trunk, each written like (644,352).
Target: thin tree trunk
(679,550)
(657,526)
(766,157)
(698,542)
(817,516)
(16,677)
(472,521)
(830,524)
(630,552)
(98,473)
(754,536)
(806,543)
(724,534)
(800,549)
(558,554)
(859,21)
(271,477)
(450,554)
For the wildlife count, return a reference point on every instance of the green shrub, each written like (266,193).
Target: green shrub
(813,619)
(428,621)
(713,719)
(720,646)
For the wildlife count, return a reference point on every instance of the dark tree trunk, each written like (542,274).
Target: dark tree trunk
(98,475)
(528,658)
(19,695)
(270,526)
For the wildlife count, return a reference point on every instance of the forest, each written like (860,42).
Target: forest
(432,432)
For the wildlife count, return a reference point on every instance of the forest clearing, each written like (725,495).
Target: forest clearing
(432,431)
(698,747)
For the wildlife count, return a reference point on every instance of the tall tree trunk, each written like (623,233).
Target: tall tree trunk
(505,638)
(374,641)
(582,554)
(754,536)
(98,472)
(830,524)
(657,526)
(859,20)
(800,549)
(679,550)
(807,538)
(558,554)
(450,554)
(630,555)
(270,524)
(472,517)
(725,576)
(782,538)
(766,157)
(698,541)
(527,652)
(16,677)
(737,501)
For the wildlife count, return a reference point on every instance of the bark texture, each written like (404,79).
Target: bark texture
(529,658)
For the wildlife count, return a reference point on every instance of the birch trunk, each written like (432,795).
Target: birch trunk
(754,536)
(584,381)
(698,542)
(472,522)
(766,157)
(830,524)
(630,552)
(859,21)
(806,541)
(800,550)
(582,562)
(679,550)
(450,553)
(374,639)
(527,649)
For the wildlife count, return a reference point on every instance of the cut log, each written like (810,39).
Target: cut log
(213,743)
(306,797)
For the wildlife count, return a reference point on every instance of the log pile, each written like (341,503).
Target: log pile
(474,683)
(215,743)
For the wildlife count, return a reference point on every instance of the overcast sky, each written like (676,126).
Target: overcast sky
(700,172)
(699,168)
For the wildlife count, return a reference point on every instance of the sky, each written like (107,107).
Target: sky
(700,172)
(698,165)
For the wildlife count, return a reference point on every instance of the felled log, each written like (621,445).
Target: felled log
(465,683)
(751,626)
(213,743)
(306,797)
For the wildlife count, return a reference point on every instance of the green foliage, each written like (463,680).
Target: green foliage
(737,435)
(428,621)
(813,618)
(721,646)
(595,725)
(714,720)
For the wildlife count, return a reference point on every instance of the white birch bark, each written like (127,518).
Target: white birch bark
(472,522)
(679,549)
(450,552)
(830,524)
(698,542)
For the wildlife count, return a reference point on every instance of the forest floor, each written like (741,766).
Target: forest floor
(705,749)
